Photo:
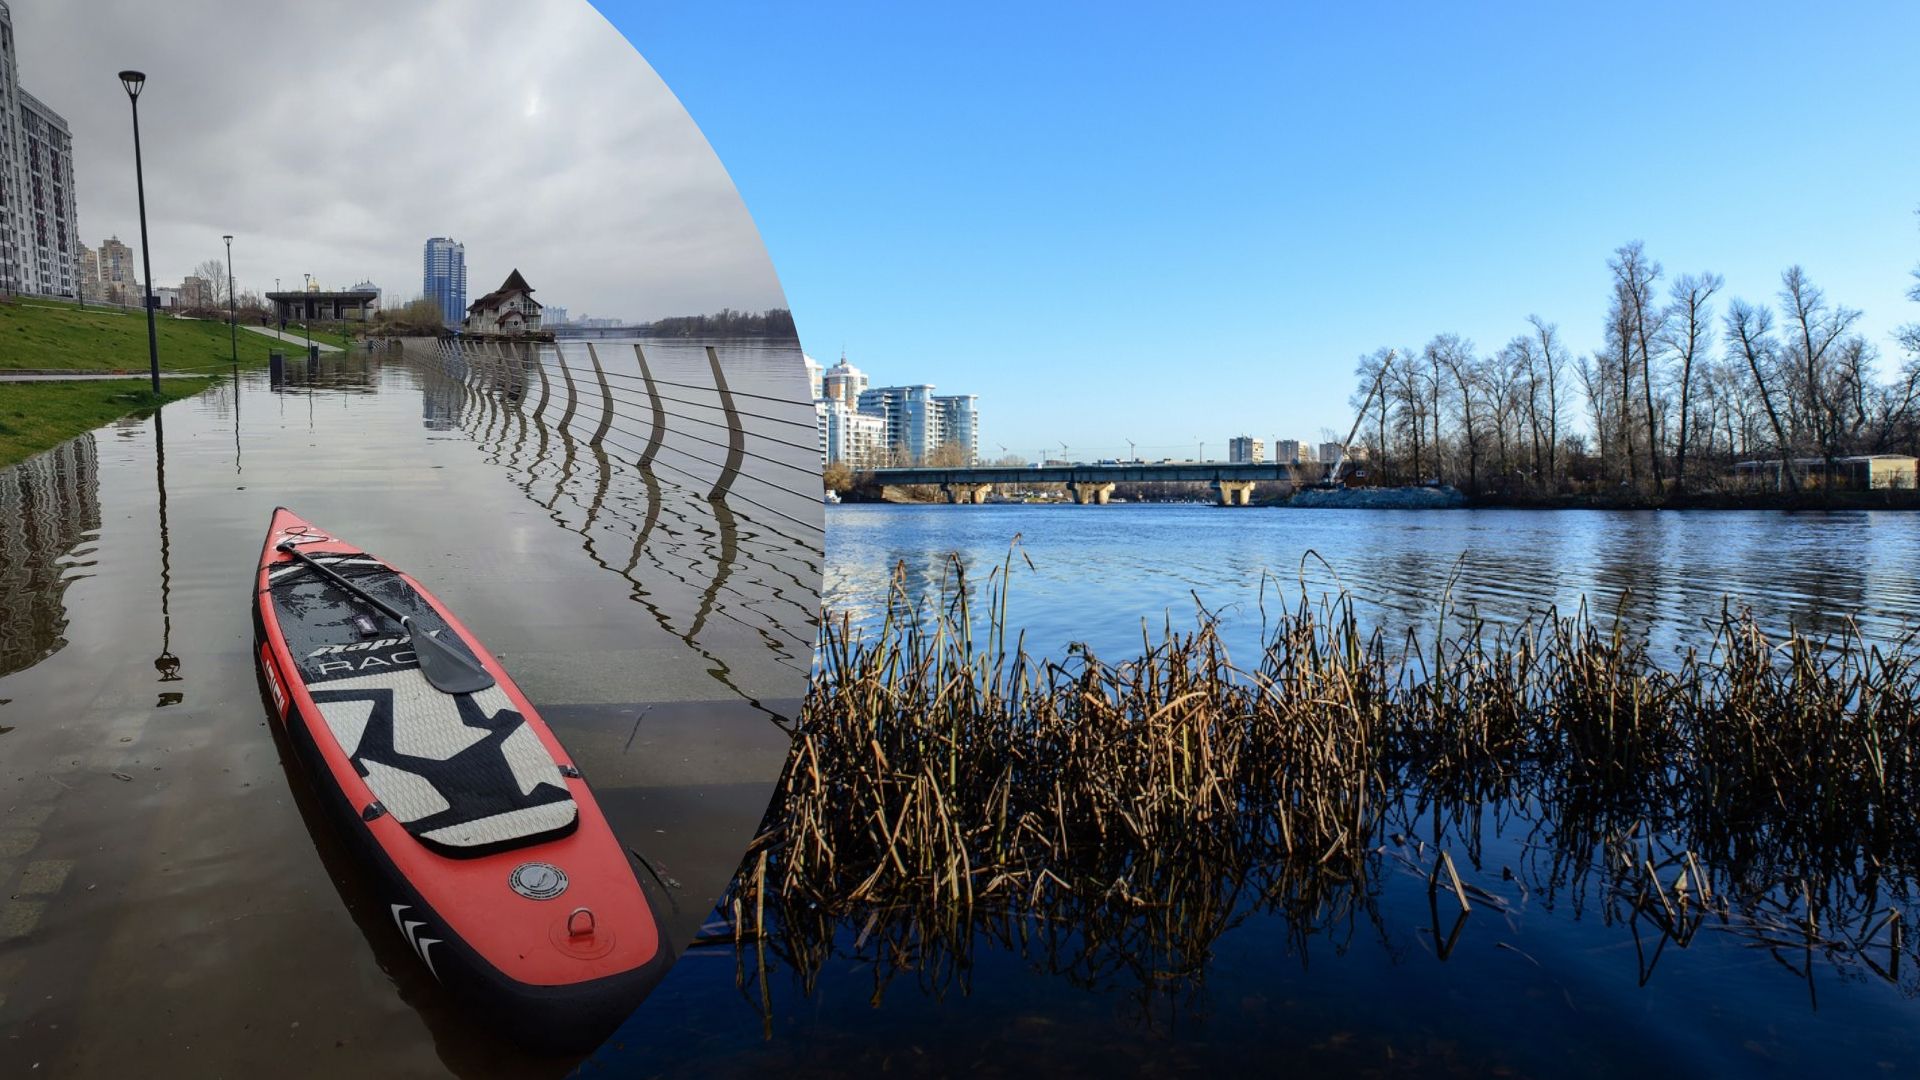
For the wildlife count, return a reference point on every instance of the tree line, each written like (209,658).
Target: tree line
(1685,383)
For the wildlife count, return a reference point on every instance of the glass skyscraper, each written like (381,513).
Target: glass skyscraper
(443,278)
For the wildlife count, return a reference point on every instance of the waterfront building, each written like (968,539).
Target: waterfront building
(843,382)
(509,309)
(1858,472)
(443,277)
(39,220)
(958,418)
(318,305)
(911,417)
(553,315)
(850,437)
(1245,450)
(814,383)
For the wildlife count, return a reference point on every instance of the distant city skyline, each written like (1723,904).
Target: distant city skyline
(341,166)
(1126,223)
(863,426)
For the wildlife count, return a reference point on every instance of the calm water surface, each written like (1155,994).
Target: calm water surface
(1557,971)
(1097,572)
(169,899)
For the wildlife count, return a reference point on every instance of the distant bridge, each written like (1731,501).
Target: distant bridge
(1093,483)
(599,333)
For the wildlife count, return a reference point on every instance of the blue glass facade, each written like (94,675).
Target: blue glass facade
(443,278)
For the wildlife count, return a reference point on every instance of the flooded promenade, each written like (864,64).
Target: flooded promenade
(168,893)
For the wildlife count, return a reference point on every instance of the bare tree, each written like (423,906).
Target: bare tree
(1816,381)
(1750,333)
(214,271)
(1453,355)
(1636,322)
(1688,326)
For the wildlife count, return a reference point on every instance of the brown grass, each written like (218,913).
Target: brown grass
(947,787)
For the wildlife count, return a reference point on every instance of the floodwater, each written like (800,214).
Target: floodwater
(169,898)
(1563,966)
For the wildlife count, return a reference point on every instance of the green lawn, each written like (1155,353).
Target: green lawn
(36,416)
(49,335)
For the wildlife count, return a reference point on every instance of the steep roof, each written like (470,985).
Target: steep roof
(514,284)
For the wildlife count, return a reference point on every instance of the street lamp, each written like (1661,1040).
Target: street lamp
(233,310)
(134,81)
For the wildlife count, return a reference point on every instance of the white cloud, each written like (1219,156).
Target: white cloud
(334,138)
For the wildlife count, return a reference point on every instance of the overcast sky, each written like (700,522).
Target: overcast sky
(334,138)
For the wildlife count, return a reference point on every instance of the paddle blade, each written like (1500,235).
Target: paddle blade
(448,669)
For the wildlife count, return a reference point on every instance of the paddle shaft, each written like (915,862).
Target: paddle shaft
(384,607)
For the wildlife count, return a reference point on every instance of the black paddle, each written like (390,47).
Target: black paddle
(448,670)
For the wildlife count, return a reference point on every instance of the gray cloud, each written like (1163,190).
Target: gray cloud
(334,138)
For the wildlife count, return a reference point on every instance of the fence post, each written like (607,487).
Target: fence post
(566,373)
(659,411)
(606,397)
(736,436)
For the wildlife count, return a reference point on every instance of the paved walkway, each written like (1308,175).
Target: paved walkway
(290,338)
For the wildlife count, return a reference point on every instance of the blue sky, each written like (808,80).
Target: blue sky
(1115,222)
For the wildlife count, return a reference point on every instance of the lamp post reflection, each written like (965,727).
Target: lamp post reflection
(167,664)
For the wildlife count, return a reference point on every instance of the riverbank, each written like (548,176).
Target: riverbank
(1882,499)
(36,416)
(44,337)
(41,335)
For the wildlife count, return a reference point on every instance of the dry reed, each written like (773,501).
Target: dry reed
(945,787)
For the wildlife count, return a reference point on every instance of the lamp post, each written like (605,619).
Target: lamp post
(233,309)
(134,81)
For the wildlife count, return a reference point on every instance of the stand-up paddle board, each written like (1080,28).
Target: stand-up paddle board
(487,847)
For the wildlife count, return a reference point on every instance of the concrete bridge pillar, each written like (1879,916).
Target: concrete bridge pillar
(1086,492)
(974,494)
(1234,492)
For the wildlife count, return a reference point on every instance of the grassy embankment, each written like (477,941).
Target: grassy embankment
(48,336)
(38,415)
(1114,817)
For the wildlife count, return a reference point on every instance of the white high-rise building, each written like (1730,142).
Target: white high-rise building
(813,376)
(1245,450)
(39,221)
(843,382)
(850,437)
(958,418)
(868,427)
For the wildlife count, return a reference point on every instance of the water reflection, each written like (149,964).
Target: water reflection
(49,507)
(167,664)
(1096,573)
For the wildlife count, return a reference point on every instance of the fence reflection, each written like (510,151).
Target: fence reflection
(682,476)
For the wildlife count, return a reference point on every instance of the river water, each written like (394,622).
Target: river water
(1559,969)
(1093,573)
(169,898)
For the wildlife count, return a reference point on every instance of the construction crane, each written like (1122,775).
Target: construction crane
(1340,463)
